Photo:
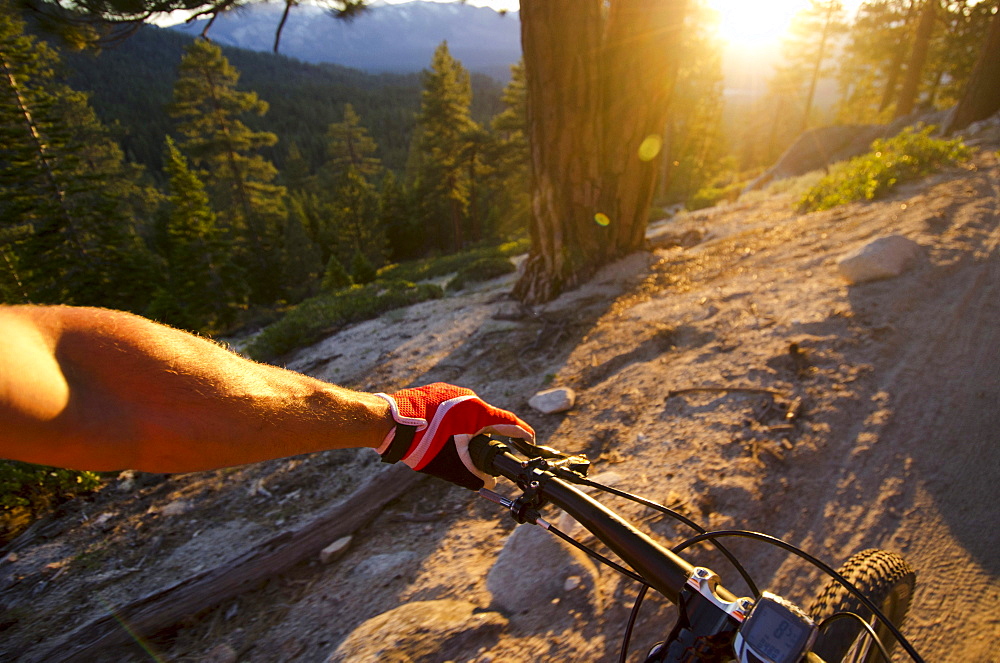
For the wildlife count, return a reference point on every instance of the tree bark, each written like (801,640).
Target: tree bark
(559,39)
(895,67)
(642,45)
(597,87)
(817,65)
(981,97)
(918,58)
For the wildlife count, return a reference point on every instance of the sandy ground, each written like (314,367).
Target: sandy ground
(895,444)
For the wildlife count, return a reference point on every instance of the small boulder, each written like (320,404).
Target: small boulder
(551,401)
(177,508)
(422,631)
(883,258)
(535,567)
(334,550)
(387,567)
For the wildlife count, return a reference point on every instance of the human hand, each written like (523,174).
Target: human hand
(434,424)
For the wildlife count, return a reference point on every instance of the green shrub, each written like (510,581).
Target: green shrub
(910,154)
(362,269)
(35,487)
(429,268)
(710,196)
(314,317)
(393,288)
(482,269)
(335,277)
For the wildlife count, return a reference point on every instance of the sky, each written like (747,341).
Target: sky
(744,24)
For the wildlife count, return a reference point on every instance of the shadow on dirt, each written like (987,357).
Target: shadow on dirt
(931,421)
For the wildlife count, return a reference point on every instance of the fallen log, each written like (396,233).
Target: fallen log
(164,608)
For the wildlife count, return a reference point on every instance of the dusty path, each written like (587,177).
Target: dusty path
(895,447)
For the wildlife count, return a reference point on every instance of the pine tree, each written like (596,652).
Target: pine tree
(302,263)
(355,219)
(362,270)
(693,148)
(510,128)
(444,127)
(295,174)
(335,277)
(923,33)
(872,59)
(203,287)
(808,50)
(981,97)
(238,179)
(350,146)
(955,49)
(402,229)
(931,48)
(510,156)
(67,222)
(600,74)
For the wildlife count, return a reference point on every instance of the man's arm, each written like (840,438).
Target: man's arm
(97,389)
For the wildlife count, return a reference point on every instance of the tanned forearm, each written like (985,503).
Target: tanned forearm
(96,389)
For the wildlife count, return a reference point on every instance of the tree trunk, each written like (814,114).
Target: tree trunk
(895,67)
(597,87)
(642,44)
(817,66)
(558,39)
(982,93)
(918,57)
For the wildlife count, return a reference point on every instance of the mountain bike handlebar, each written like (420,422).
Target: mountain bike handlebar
(713,623)
(663,570)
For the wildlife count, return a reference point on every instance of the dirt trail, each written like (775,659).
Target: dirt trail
(895,445)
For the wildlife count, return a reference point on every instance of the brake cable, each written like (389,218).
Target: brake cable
(751,585)
(574,467)
(871,632)
(818,563)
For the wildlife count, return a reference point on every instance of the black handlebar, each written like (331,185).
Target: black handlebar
(663,570)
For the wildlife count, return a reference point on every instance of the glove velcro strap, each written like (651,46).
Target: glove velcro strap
(401,441)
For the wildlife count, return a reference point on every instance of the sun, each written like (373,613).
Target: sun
(755,24)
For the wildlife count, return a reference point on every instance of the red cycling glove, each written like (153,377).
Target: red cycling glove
(434,425)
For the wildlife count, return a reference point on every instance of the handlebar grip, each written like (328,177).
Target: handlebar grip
(483,449)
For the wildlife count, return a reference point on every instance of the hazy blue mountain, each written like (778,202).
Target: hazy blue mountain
(386,38)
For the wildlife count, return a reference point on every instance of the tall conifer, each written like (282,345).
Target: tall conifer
(808,53)
(350,146)
(239,179)
(203,287)
(444,126)
(67,228)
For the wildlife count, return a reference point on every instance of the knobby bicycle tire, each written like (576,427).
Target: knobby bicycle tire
(888,581)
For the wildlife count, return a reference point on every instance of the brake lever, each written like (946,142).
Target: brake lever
(576,464)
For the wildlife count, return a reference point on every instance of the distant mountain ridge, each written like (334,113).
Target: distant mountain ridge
(385,38)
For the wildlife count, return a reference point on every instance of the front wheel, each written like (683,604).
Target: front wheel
(888,582)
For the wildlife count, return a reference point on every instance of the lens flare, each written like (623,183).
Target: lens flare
(650,147)
(602,219)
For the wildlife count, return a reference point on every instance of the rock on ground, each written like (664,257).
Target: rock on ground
(883,258)
(421,631)
(551,401)
(535,568)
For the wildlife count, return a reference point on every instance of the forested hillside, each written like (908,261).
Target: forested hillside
(303,98)
(206,188)
(398,37)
